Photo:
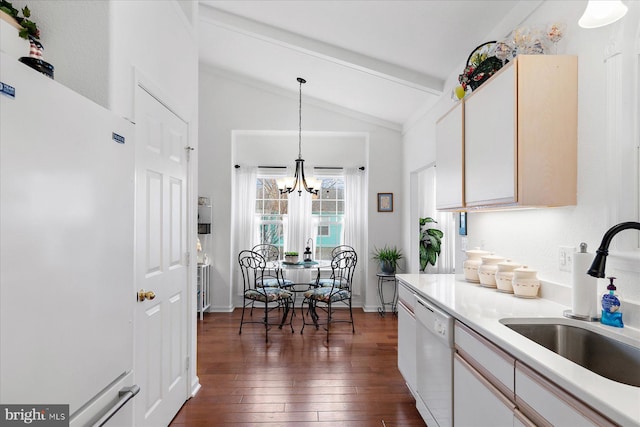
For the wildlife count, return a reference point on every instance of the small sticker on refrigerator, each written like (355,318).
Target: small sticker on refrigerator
(117,138)
(8,90)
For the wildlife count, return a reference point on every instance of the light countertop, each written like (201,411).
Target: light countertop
(481,309)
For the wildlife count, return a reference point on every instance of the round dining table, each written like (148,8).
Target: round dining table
(300,285)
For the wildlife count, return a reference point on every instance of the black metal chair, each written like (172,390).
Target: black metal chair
(274,275)
(252,266)
(341,248)
(327,292)
(322,280)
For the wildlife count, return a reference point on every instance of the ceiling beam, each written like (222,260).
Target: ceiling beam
(318,49)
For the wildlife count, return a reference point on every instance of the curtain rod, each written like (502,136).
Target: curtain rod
(317,167)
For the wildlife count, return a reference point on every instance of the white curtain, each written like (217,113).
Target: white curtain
(446,221)
(244,215)
(355,223)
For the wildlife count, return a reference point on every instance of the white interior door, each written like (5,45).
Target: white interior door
(161,261)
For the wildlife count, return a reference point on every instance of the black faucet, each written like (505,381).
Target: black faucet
(600,261)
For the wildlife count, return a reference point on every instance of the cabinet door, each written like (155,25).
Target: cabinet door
(450,159)
(407,346)
(490,142)
(476,402)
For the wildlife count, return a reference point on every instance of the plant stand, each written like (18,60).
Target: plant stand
(382,279)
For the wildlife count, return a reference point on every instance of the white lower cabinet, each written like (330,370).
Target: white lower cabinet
(477,403)
(407,337)
(407,346)
(548,405)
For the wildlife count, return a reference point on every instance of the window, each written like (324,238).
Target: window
(327,209)
(271,207)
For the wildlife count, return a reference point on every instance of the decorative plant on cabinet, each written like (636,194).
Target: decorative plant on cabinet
(430,243)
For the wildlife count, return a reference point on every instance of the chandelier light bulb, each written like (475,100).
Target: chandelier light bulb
(602,12)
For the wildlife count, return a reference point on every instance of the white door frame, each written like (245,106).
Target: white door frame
(142,80)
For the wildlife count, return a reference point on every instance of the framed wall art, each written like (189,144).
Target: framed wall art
(385,202)
(462,229)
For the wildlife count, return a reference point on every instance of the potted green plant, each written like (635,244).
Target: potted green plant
(291,257)
(388,258)
(430,243)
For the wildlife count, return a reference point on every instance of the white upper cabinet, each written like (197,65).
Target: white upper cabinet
(450,159)
(490,152)
(520,139)
(521,132)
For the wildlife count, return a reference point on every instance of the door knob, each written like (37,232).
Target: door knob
(142,295)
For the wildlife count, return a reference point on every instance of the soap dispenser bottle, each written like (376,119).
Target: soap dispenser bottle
(611,312)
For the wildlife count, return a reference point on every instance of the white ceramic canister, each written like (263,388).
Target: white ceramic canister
(487,270)
(525,282)
(471,264)
(504,275)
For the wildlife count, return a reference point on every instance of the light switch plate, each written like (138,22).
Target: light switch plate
(565,257)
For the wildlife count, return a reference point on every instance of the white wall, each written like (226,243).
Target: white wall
(534,236)
(226,105)
(157,41)
(79,48)
(95,46)
(318,149)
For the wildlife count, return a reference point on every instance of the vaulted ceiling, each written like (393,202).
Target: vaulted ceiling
(384,59)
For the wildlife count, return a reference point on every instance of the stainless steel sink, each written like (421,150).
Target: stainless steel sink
(598,353)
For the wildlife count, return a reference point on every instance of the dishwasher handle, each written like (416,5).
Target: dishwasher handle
(424,304)
(125,395)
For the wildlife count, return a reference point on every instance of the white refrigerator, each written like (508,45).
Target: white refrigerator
(66,249)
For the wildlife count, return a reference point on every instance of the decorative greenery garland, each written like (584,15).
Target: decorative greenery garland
(29,28)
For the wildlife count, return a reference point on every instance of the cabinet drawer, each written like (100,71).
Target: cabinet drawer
(553,406)
(406,295)
(492,362)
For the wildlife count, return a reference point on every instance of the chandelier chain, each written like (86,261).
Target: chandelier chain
(299,181)
(300,120)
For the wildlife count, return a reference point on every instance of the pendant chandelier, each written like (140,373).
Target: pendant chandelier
(298,181)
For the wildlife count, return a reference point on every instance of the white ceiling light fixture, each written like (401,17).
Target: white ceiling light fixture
(298,181)
(601,13)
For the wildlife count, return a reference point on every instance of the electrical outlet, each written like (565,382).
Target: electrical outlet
(565,257)
(463,243)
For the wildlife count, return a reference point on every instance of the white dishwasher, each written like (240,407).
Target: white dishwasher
(434,364)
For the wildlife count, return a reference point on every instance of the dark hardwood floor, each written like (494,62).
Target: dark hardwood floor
(299,380)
